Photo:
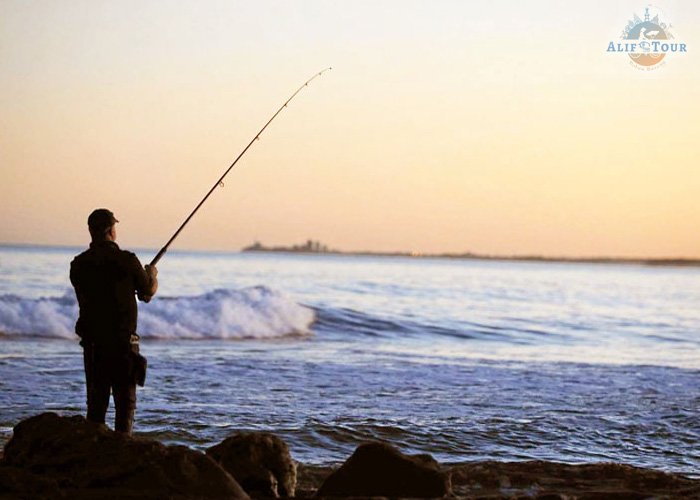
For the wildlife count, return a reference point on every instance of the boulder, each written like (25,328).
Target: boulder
(81,459)
(378,469)
(259,461)
(19,483)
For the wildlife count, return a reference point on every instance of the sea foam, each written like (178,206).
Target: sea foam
(254,312)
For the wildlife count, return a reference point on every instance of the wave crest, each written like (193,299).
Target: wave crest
(254,312)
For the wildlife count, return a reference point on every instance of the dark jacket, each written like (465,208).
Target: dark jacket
(106,280)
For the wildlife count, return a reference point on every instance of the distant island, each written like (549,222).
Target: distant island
(310,246)
(316,247)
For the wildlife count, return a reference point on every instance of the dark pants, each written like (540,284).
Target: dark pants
(105,372)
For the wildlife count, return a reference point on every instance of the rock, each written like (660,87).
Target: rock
(259,461)
(16,482)
(80,459)
(378,469)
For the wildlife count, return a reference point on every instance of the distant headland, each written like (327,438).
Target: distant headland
(316,247)
(310,246)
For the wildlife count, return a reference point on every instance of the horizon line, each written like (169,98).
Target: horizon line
(410,254)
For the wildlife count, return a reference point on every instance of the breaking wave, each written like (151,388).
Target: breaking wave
(254,312)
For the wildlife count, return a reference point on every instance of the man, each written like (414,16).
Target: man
(106,280)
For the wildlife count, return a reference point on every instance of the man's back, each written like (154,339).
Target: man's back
(106,279)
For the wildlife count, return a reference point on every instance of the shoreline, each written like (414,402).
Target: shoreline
(494,479)
(652,262)
(51,455)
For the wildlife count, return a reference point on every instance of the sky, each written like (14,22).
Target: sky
(497,127)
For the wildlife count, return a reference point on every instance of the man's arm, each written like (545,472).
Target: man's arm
(152,287)
(146,280)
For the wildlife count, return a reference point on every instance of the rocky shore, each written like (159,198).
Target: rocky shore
(50,456)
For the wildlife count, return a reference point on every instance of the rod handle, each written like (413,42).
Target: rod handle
(158,256)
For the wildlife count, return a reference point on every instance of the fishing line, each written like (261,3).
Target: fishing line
(220,181)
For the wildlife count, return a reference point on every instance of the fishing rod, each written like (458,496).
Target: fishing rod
(220,182)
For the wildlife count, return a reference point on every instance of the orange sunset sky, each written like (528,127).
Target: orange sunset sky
(445,126)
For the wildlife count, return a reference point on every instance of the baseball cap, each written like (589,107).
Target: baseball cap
(101,218)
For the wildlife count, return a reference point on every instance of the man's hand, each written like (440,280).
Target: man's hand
(151,271)
(147,294)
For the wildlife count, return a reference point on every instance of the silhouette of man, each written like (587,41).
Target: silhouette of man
(107,281)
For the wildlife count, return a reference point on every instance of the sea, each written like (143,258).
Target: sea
(464,359)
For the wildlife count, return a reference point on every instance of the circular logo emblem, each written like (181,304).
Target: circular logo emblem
(647,41)
(646,33)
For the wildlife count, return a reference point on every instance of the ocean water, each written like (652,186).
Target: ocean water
(463,359)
